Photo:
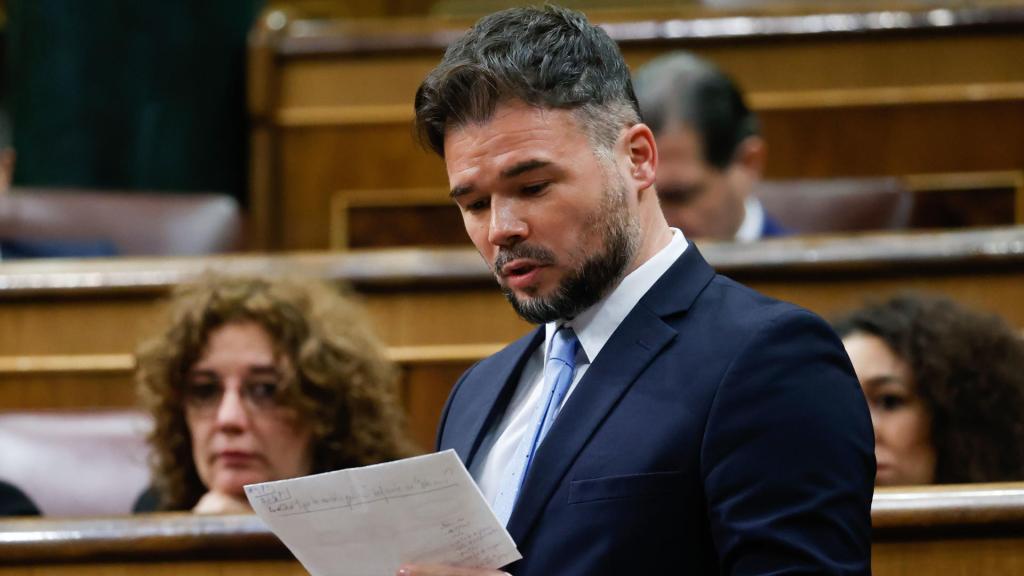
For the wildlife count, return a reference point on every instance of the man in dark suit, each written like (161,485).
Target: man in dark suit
(664,419)
(14,502)
(711,153)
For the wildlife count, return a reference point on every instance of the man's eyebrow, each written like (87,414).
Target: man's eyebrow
(510,172)
(524,167)
(460,191)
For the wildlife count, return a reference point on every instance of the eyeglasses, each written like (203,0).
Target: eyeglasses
(263,390)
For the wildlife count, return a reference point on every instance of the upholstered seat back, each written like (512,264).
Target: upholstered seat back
(838,204)
(136,223)
(90,463)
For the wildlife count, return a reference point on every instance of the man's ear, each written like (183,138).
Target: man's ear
(643,155)
(752,154)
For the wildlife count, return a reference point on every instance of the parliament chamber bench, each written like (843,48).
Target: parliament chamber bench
(442,297)
(842,91)
(68,329)
(952,530)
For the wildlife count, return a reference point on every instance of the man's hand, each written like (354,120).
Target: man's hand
(436,570)
(220,503)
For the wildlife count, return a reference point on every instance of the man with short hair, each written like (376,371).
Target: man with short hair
(711,153)
(663,419)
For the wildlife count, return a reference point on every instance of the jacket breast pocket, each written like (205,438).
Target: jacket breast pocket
(628,486)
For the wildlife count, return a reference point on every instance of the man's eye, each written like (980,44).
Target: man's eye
(478,205)
(533,189)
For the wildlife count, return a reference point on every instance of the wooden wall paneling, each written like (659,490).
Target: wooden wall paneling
(454,316)
(262,79)
(318,161)
(91,324)
(894,140)
(960,188)
(809,142)
(888,102)
(425,389)
(948,556)
(391,218)
(384,227)
(804,143)
(370,79)
(780,64)
(999,292)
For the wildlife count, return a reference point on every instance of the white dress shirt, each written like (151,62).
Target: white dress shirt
(593,329)
(752,227)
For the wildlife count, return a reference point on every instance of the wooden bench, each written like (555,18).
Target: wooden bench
(70,327)
(939,531)
(850,94)
(422,297)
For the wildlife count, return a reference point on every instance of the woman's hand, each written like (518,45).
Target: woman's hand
(221,503)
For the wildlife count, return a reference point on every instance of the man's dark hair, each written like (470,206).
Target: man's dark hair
(682,88)
(968,369)
(548,57)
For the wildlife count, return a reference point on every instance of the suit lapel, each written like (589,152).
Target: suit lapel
(489,395)
(635,343)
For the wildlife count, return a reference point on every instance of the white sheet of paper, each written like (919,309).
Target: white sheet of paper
(369,521)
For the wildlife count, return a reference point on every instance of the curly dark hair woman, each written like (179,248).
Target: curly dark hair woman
(256,380)
(946,390)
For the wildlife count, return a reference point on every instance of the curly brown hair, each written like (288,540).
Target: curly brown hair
(346,387)
(969,372)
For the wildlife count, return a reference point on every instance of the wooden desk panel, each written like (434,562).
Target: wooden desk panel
(938,530)
(178,568)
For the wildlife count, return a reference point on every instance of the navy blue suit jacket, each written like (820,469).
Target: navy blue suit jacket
(771,228)
(718,431)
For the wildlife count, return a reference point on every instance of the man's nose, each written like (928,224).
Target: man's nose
(507,226)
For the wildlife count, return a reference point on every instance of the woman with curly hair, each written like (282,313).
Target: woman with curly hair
(945,386)
(257,380)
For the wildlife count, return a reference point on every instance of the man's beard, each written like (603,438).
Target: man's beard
(585,285)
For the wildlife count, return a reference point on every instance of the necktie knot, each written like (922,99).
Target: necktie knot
(564,345)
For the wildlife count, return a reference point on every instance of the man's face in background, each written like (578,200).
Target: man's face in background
(696,197)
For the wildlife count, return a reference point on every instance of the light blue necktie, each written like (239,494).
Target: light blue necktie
(558,370)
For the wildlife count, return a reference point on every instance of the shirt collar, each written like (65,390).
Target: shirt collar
(753,221)
(596,324)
